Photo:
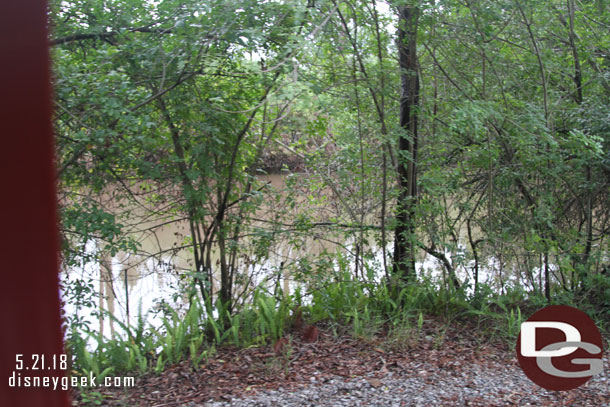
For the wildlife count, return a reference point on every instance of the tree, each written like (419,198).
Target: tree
(175,118)
(405,239)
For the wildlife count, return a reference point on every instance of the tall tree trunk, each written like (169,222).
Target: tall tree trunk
(404,240)
(577,78)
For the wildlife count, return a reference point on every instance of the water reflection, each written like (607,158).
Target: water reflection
(127,283)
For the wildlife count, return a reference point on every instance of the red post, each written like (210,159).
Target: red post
(29,300)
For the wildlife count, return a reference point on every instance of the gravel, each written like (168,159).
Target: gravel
(492,384)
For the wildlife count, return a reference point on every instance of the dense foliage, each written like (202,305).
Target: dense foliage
(173,111)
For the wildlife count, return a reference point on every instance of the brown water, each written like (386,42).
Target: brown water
(126,280)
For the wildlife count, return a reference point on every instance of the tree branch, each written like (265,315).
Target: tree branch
(107,35)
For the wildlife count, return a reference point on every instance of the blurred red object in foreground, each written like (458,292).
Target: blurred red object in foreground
(29,302)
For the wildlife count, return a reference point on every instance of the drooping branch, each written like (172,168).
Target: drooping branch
(108,35)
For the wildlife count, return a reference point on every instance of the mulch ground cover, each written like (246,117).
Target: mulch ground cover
(294,361)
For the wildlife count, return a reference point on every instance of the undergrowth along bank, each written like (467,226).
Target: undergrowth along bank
(365,310)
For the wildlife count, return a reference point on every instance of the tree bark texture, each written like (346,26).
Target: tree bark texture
(404,240)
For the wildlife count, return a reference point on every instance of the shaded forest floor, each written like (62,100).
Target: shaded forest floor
(436,352)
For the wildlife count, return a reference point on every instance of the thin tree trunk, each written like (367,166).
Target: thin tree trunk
(475,254)
(579,100)
(547,277)
(188,191)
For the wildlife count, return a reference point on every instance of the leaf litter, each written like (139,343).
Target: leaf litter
(452,367)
